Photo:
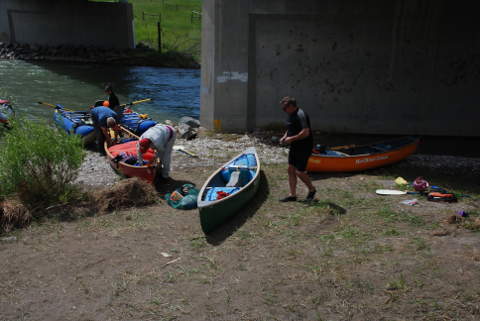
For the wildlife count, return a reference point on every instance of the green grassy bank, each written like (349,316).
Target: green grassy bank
(179,21)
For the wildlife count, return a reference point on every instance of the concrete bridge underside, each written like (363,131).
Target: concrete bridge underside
(72,22)
(376,67)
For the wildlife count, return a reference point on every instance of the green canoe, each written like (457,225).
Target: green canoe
(228,189)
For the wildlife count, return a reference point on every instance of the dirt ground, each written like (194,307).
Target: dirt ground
(353,255)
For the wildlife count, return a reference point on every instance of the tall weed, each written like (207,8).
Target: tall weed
(39,163)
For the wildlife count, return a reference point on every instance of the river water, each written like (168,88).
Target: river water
(175,92)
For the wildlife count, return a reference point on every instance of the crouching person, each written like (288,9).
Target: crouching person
(103,119)
(161,138)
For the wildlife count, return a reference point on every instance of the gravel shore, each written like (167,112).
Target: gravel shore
(214,151)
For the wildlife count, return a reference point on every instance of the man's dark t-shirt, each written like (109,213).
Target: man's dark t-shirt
(295,123)
(113,101)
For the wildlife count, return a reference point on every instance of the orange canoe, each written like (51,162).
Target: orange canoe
(361,157)
(144,172)
(129,147)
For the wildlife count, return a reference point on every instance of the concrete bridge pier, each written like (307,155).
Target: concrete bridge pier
(373,67)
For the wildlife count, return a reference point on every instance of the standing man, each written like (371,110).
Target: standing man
(161,138)
(113,101)
(299,136)
(103,118)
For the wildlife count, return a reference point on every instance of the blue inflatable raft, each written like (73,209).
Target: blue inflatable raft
(80,123)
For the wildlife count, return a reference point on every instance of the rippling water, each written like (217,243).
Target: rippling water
(175,92)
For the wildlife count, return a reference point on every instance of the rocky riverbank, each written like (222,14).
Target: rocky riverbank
(140,56)
(212,150)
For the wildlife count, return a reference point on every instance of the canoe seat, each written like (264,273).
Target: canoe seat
(214,192)
(244,162)
(239,178)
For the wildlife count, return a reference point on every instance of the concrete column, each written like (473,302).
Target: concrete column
(225,56)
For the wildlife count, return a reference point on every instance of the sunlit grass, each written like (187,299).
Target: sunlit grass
(179,21)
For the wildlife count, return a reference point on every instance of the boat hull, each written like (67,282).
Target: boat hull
(324,163)
(143,172)
(214,213)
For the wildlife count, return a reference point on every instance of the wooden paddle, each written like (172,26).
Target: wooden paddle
(52,105)
(129,132)
(123,105)
(136,102)
(131,103)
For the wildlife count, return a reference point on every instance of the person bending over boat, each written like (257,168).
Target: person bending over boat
(103,118)
(113,101)
(161,138)
(299,136)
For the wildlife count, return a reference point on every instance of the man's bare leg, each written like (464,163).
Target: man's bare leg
(292,180)
(306,180)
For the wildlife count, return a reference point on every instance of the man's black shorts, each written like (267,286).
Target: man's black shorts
(298,157)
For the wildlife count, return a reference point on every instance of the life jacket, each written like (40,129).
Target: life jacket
(444,197)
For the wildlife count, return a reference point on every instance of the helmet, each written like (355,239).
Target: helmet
(420,184)
(106,103)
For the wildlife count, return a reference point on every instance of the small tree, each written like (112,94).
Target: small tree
(39,163)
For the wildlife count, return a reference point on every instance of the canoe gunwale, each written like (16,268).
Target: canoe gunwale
(415,141)
(204,204)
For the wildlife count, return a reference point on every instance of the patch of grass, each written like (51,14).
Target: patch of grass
(368,186)
(351,200)
(198,243)
(332,208)
(354,234)
(390,216)
(397,285)
(392,232)
(420,244)
(376,249)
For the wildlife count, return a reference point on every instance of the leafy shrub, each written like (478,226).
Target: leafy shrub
(39,163)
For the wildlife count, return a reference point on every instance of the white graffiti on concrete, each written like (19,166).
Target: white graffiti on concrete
(232,75)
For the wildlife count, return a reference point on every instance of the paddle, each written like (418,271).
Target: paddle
(136,102)
(52,105)
(123,105)
(131,103)
(129,132)
(392,192)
